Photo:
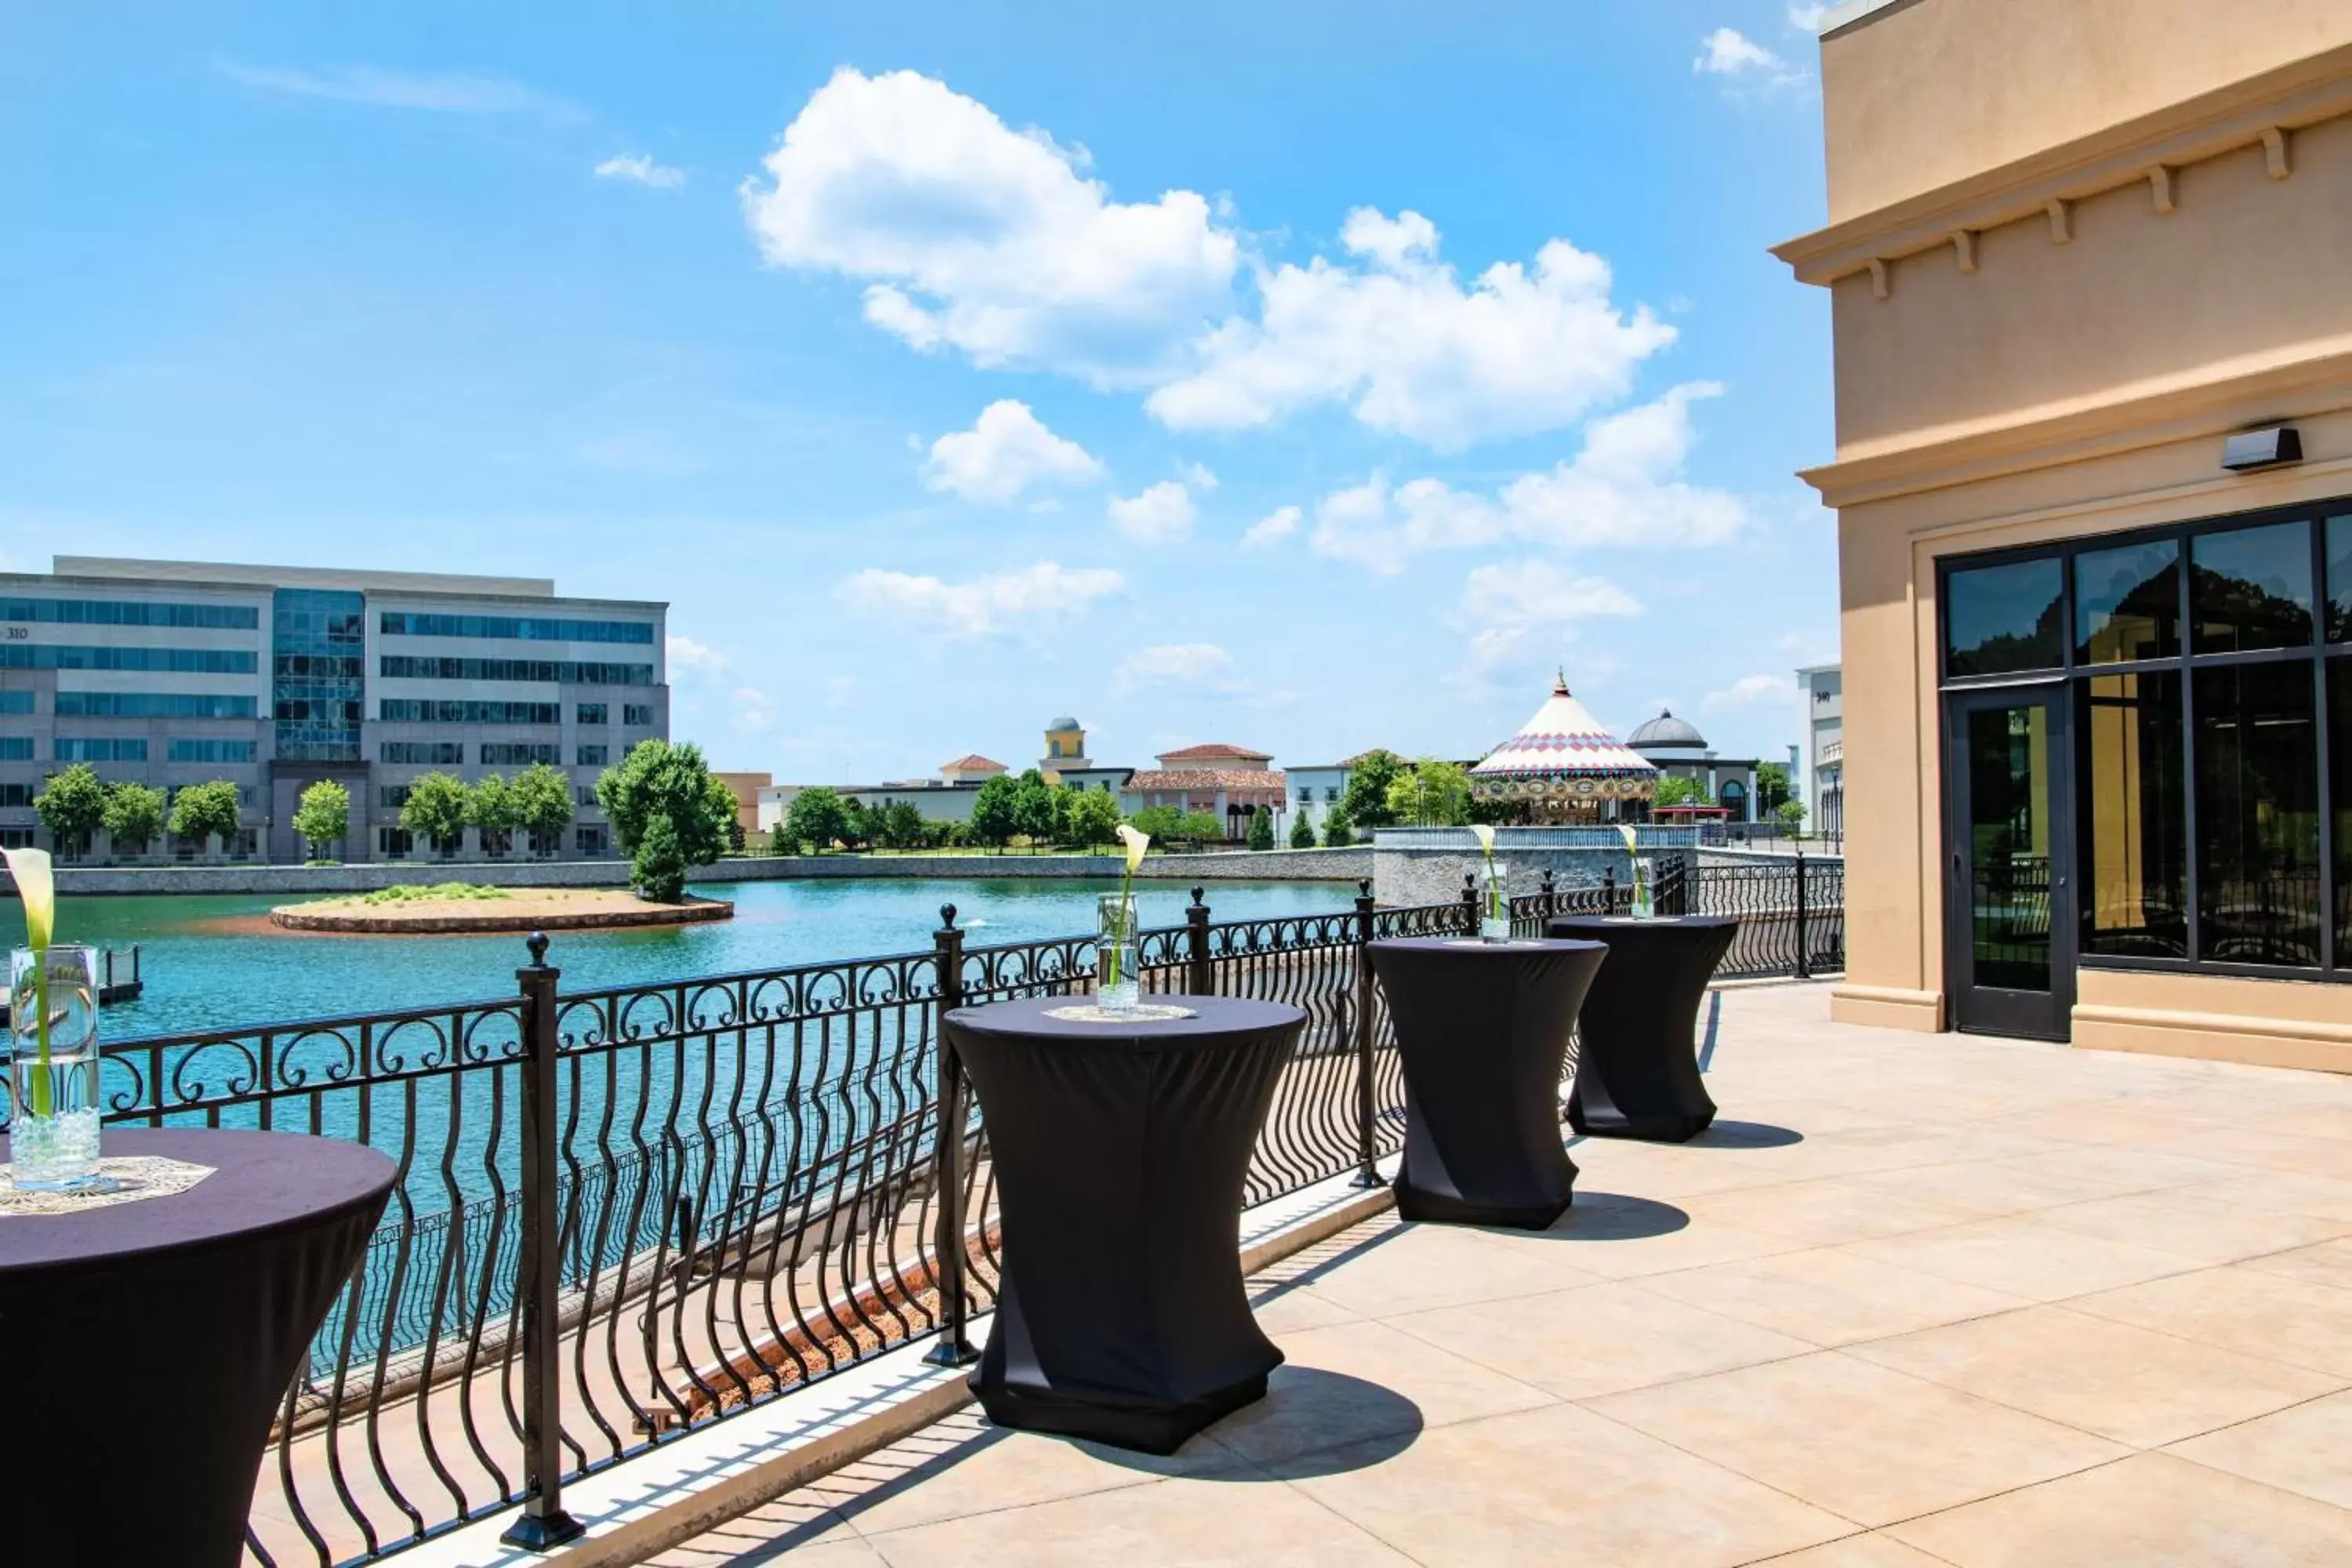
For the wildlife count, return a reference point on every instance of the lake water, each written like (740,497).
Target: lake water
(212,962)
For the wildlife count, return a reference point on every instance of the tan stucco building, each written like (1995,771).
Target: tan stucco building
(2098,686)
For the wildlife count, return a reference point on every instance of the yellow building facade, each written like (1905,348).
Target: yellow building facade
(2090,271)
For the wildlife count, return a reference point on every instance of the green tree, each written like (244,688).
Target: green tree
(1432,792)
(72,806)
(134,816)
(491,809)
(1771,786)
(435,811)
(1162,823)
(1367,797)
(659,868)
(1092,818)
(1033,812)
(323,816)
(1201,827)
(857,824)
(202,811)
(1302,831)
(1338,830)
(1261,830)
(1673,789)
(1791,813)
(658,782)
(817,817)
(996,811)
(543,803)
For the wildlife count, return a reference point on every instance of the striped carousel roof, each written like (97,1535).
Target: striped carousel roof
(1562,740)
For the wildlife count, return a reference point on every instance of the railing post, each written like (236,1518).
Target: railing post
(1368,1171)
(1199,981)
(1470,903)
(953,1349)
(1609,889)
(1550,905)
(542,1523)
(1804,959)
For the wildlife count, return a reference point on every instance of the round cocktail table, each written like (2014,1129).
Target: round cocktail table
(1637,1065)
(148,1344)
(1482,1031)
(1119,1150)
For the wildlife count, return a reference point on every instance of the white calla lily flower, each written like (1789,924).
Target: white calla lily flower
(1485,834)
(1137,843)
(36,885)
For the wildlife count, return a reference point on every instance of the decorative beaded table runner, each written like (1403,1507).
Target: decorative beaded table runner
(119,1181)
(1152,1013)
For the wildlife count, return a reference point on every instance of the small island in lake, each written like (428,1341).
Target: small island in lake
(448,908)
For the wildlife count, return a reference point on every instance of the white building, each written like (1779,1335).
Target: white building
(1824,785)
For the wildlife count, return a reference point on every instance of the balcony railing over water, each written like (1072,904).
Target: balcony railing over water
(625,1214)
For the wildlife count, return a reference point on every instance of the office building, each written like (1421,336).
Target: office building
(172,673)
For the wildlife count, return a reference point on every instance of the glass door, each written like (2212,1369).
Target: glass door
(2010,910)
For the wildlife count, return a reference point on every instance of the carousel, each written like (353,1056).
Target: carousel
(1562,768)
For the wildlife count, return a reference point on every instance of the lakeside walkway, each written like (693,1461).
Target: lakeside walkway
(1915,1299)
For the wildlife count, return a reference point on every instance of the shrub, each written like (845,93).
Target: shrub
(658,868)
(1261,830)
(1302,832)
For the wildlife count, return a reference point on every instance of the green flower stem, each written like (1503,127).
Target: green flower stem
(42,1105)
(1108,962)
(1494,889)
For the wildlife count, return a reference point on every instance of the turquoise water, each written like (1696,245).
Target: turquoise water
(212,962)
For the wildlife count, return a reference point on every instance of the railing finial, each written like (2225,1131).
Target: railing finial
(947,916)
(537,943)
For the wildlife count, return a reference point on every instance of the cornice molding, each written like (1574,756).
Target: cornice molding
(2261,111)
(2210,406)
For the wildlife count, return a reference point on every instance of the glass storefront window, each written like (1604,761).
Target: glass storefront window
(2134,815)
(2251,588)
(2258,872)
(2340,773)
(2001,618)
(2127,603)
(2339,577)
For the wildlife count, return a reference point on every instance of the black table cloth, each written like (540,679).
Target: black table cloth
(146,1347)
(1119,1153)
(1482,1030)
(1637,1065)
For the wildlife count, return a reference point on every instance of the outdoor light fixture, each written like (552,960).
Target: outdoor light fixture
(2264,448)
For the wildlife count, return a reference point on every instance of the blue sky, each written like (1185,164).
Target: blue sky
(1313,376)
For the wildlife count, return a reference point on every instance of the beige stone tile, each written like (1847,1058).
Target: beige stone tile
(1825,1212)
(743,1544)
(2250,1310)
(2272,1149)
(2152,1511)
(1872,1551)
(2024,1256)
(1354,1382)
(1828,1296)
(1860,1440)
(1180,1523)
(2130,1384)
(964,1465)
(1289,1308)
(2318,1198)
(1562,1485)
(1419,1266)
(1576,1343)
(2307,1449)
(1615,1235)
(2201,1228)
(2329,1263)
(2082,1174)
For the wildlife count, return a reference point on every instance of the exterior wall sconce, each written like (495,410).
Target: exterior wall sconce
(2267,449)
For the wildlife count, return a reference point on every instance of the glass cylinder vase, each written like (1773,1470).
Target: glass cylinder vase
(1494,903)
(53,1064)
(1118,972)
(1644,879)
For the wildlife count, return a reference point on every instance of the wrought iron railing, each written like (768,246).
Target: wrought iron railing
(623,1214)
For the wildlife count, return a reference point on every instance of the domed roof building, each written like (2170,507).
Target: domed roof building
(1727,786)
(1667,733)
(1565,768)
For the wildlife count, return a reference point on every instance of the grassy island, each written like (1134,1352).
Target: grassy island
(449,908)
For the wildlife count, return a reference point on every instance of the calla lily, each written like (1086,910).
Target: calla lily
(36,885)
(1137,843)
(1485,834)
(1625,831)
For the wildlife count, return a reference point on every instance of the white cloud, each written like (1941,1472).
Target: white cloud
(754,710)
(1507,605)
(975,236)
(1162,514)
(1754,691)
(1412,350)
(640,168)
(1728,52)
(1807,19)
(444,92)
(1007,449)
(1200,664)
(1624,488)
(1278,524)
(1001,602)
(693,658)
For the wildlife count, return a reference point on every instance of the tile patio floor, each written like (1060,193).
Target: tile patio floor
(1915,1299)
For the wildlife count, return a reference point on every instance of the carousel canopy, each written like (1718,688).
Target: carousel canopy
(1563,751)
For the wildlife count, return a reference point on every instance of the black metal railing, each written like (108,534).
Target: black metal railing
(623,1214)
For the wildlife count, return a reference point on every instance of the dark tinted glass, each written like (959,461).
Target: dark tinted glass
(2252,587)
(2127,603)
(2009,828)
(2340,578)
(2339,762)
(2257,814)
(2135,816)
(2001,618)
